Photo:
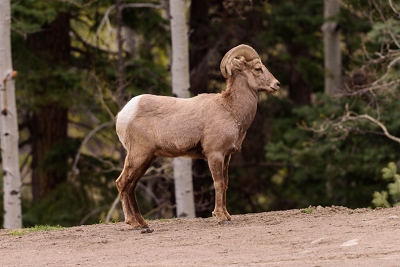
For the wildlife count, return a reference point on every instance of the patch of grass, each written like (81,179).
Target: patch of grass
(308,210)
(36,228)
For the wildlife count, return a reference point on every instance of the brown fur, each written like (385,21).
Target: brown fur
(209,126)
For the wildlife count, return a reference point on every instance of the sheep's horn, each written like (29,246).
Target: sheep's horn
(241,50)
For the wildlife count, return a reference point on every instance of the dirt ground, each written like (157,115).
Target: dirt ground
(327,236)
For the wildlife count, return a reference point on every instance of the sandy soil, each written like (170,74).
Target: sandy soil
(330,236)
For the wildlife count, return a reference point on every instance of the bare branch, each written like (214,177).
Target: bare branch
(106,18)
(394,9)
(91,213)
(87,138)
(149,192)
(103,103)
(87,43)
(164,205)
(375,121)
(368,88)
(349,116)
(111,210)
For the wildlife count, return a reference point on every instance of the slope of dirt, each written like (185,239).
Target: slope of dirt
(331,236)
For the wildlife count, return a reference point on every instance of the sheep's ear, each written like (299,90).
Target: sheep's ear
(237,63)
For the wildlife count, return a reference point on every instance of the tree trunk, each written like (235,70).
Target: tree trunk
(180,87)
(199,46)
(48,129)
(332,55)
(9,125)
(49,124)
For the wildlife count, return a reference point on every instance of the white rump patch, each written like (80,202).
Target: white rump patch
(126,115)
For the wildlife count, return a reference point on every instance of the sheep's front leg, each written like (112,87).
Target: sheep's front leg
(226,180)
(216,164)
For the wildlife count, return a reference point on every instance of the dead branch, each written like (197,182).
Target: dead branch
(349,116)
(393,8)
(164,205)
(91,213)
(353,117)
(85,140)
(367,88)
(106,17)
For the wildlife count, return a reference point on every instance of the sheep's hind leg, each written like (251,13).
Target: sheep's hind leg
(123,184)
(216,164)
(226,180)
(134,168)
(142,163)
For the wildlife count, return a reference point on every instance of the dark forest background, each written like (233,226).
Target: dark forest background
(305,147)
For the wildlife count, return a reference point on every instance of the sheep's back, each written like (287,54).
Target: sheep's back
(169,125)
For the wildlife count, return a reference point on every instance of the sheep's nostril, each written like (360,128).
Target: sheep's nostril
(277,84)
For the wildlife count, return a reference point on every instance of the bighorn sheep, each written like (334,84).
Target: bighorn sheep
(208,126)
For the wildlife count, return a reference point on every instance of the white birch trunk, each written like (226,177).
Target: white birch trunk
(332,54)
(8,125)
(180,87)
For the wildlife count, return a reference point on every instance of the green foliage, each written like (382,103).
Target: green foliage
(377,33)
(294,42)
(380,199)
(308,210)
(337,166)
(30,15)
(155,26)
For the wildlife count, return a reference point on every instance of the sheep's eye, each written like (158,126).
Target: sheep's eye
(258,69)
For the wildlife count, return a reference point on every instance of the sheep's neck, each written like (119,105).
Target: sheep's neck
(241,101)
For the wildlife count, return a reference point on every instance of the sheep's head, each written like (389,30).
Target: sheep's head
(245,59)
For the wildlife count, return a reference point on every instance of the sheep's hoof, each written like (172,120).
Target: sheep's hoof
(140,227)
(137,226)
(147,231)
(224,222)
(222,217)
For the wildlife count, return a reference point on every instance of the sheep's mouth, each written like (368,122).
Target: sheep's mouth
(273,89)
(269,89)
